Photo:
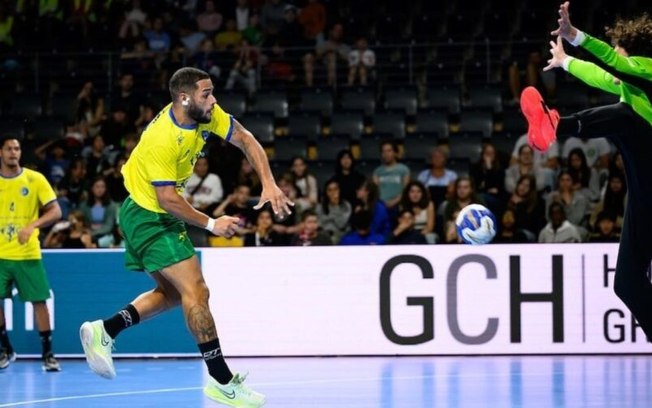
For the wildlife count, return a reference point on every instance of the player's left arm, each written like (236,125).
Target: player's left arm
(51,213)
(245,141)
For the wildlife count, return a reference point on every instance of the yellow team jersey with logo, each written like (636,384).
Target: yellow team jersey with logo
(167,152)
(21,199)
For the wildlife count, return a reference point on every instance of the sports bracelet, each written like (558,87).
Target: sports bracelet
(210,225)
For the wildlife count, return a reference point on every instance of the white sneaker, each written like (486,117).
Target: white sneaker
(97,347)
(234,394)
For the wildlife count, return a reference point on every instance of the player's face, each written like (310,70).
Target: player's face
(10,154)
(202,101)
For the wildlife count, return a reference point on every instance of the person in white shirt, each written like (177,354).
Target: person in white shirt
(548,161)
(558,230)
(362,61)
(204,189)
(596,151)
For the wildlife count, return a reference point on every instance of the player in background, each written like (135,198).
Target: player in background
(24,194)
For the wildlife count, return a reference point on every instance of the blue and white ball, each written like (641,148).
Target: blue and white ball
(476,224)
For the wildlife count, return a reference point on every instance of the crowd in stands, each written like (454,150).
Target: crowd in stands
(370,190)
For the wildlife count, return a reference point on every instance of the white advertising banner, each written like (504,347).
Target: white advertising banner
(433,300)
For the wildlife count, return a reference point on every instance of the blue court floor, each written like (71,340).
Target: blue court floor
(529,381)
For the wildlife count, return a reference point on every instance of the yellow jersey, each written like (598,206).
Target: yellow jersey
(21,199)
(167,152)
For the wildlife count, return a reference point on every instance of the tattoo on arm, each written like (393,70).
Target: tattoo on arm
(201,324)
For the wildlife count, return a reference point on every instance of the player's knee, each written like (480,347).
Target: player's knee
(200,293)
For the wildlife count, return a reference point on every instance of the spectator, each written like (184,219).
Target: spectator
(230,38)
(191,39)
(489,178)
(130,141)
(133,23)
(141,62)
(117,126)
(334,212)
(438,179)
(55,163)
(362,233)
(115,182)
(605,228)
(210,20)
(362,62)
(587,180)
(367,199)
(244,68)
(97,159)
(263,234)
(576,206)
(288,225)
(613,202)
(309,234)
(529,212)
(248,176)
(313,19)
(405,233)
(391,176)
(90,108)
(71,234)
(242,14)
(531,70)
(346,175)
(72,188)
(329,52)
(559,230)
(237,205)
(306,183)
(207,59)
(507,232)
(158,39)
(596,150)
(204,189)
(253,32)
(547,161)
(416,199)
(464,195)
(524,166)
(272,16)
(126,98)
(101,212)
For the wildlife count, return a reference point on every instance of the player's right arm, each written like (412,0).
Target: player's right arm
(173,203)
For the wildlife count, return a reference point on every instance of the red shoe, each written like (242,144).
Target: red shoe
(542,122)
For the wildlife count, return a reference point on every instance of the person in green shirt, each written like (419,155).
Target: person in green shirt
(624,70)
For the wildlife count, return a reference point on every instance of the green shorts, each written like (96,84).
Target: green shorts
(29,278)
(153,241)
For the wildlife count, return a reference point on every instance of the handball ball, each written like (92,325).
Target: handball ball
(476,224)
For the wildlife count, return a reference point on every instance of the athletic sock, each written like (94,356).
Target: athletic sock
(217,368)
(4,340)
(126,317)
(46,341)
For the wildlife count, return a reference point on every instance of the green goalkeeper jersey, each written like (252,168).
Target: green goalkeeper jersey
(629,77)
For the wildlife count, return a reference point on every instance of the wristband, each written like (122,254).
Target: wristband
(579,38)
(210,225)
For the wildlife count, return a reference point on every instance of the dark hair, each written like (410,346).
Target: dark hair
(5,138)
(324,199)
(532,198)
(496,161)
(389,142)
(633,35)
(565,172)
(340,155)
(583,174)
(405,196)
(555,205)
(185,80)
(106,198)
(308,213)
(361,220)
(373,195)
(615,201)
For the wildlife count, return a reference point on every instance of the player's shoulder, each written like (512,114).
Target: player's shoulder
(33,175)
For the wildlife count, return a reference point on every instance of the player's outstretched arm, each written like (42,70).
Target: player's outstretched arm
(255,153)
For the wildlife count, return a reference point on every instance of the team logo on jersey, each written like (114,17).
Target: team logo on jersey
(24,191)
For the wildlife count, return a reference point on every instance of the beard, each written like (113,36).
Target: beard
(198,115)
